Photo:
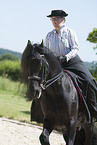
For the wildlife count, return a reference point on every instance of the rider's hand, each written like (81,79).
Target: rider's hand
(62,58)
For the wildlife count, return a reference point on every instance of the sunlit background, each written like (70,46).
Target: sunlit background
(21,20)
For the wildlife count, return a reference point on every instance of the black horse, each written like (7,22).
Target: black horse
(47,80)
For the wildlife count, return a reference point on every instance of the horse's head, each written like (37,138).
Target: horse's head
(40,69)
(36,68)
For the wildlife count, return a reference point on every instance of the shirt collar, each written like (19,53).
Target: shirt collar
(60,28)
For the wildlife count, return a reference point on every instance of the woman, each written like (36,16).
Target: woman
(62,41)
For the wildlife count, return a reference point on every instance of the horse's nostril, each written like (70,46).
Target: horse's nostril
(37,94)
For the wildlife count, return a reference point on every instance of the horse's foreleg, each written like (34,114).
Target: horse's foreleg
(64,132)
(71,132)
(47,129)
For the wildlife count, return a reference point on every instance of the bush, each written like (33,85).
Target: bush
(8,57)
(94,73)
(10,69)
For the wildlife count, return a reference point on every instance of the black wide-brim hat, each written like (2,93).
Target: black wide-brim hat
(58,13)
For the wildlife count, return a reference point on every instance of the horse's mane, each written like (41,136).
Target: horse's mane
(25,62)
(27,57)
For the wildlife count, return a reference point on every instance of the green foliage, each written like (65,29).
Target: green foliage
(10,66)
(90,65)
(10,69)
(93,70)
(94,73)
(92,37)
(8,57)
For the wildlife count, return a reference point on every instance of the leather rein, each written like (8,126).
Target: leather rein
(44,84)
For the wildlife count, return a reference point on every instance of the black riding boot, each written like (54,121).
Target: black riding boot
(92,102)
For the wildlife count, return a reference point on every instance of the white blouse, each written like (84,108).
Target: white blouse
(63,43)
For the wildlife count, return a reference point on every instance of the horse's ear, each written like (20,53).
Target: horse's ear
(41,45)
(29,42)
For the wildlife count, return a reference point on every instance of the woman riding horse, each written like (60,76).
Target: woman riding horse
(62,41)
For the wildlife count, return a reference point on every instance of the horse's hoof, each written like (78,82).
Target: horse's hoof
(44,140)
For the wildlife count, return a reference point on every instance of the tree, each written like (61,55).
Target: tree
(8,57)
(92,37)
(10,69)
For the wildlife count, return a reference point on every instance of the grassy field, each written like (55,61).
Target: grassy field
(12,103)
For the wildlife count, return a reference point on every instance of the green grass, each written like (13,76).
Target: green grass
(12,86)
(12,105)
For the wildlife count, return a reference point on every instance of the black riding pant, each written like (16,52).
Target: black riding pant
(84,80)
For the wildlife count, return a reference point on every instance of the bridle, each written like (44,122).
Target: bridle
(44,84)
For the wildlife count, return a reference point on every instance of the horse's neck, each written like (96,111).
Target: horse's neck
(54,65)
(55,68)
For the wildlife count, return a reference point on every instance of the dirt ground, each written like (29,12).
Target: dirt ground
(17,133)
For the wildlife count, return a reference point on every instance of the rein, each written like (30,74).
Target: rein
(48,83)
(43,83)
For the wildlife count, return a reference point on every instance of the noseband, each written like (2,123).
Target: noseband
(43,82)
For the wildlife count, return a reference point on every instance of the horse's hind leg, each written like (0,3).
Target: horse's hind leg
(71,126)
(79,138)
(88,133)
(47,129)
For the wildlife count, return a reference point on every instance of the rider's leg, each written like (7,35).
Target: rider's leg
(92,102)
